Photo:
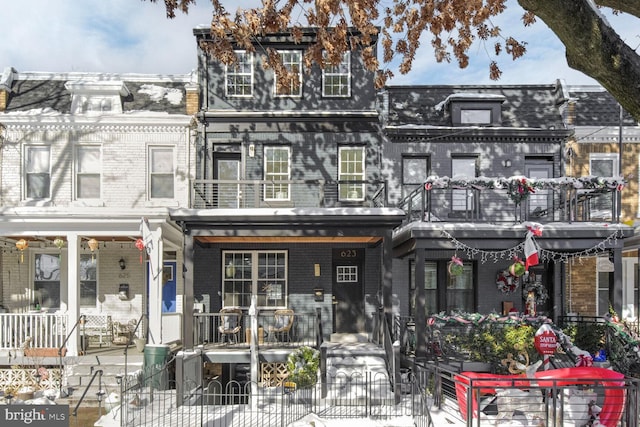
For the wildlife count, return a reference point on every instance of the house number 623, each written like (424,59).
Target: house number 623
(349,253)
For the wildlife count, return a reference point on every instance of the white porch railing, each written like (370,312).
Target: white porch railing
(43,330)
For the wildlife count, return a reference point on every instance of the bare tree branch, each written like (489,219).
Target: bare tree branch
(632,7)
(593,47)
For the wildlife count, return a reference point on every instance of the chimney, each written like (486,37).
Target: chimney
(193,98)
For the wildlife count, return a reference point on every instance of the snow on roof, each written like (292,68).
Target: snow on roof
(158,93)
(466,96)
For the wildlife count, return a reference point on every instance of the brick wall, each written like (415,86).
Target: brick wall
(581,292)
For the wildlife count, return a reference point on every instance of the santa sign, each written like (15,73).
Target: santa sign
(546,340)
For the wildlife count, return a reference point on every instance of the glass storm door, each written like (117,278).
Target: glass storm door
(227,168)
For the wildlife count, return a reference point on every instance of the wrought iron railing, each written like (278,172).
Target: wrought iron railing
(243,194)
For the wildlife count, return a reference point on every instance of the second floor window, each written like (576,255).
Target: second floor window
(462,167)
(292,61)
(336,79)
(276,168)
(161,172)
(239,76)
(88,172)
(351,173)
(37,172)
(604,165)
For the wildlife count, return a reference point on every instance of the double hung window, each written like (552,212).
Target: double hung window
(351,173)
(336,79)
(277,168)
(161,172)
(290,85)
(88,171)
(239,76)
(37,169)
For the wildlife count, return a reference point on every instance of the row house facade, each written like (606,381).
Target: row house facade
(461,161)
(86,156)
(602,131)
(325,197)
(289,206)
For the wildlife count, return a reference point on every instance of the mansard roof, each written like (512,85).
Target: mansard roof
(51,91)
(523,106)
(594,106)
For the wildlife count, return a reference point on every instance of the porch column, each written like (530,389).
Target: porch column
(188,299)
(155,290)
(420,315)
(387,283)
(73,291)
(615,289)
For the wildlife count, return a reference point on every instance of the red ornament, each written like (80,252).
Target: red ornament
(140,246)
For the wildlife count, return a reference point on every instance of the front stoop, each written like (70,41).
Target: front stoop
(78,374)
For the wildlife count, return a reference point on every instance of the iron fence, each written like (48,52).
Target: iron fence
(561,397)
(149,398)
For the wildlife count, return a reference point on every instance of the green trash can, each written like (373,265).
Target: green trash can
(156,371)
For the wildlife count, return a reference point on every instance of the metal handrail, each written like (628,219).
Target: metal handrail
(81,318)
(84,393)
(133,334)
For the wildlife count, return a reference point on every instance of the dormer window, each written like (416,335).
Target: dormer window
(475,116)
(97,97)
(475,109)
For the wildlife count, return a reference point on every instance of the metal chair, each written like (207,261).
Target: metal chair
(282,325)
(230,324)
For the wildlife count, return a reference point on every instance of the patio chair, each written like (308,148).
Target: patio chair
(230,324)
(281,328)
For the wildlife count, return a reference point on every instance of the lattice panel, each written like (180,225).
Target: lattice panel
(14,379)
(273,374)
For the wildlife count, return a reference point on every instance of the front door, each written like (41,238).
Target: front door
(227,168)
(348,290)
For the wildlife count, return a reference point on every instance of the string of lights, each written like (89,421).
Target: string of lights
(544,255)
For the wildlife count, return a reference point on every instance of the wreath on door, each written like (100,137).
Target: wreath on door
(507,283)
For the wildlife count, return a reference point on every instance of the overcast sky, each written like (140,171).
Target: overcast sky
(122,36)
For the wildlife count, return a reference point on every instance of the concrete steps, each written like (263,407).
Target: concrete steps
(79,374)
(349,354)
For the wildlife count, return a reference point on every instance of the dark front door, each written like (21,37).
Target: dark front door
(348,290)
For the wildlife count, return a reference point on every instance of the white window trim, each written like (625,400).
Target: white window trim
(346,60)
(288,176)
(25,174)
(255,276)
(605,156)
(275,77)
(77,170)
(228,71)
(150,149)
(362,178)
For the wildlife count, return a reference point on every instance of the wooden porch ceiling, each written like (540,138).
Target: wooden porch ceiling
(289,239)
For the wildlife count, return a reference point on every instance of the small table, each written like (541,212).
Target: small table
(247,335)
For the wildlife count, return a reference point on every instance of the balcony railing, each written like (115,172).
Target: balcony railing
(551,202)
(303,331)
(35,330)
(245,194)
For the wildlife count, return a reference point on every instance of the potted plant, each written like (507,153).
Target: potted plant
(302,365)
